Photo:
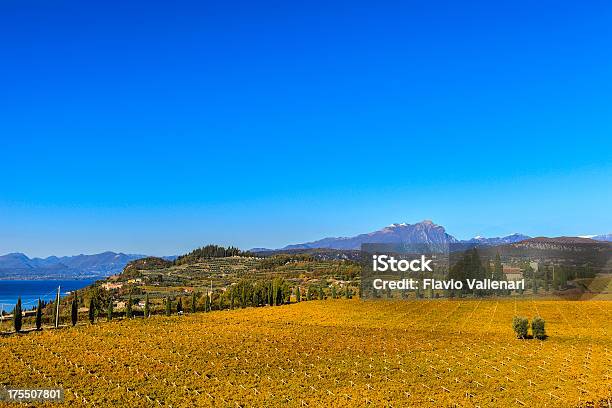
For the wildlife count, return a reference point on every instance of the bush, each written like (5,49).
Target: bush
(537,328)
(520,325)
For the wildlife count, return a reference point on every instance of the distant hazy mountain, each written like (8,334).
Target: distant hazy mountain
(605,237)
(422,232)
(561,241)
(565,245)
(498,240)
(20,266)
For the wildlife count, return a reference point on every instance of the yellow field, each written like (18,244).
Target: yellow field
(340,353)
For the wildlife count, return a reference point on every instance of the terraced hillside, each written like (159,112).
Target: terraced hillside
(222,272)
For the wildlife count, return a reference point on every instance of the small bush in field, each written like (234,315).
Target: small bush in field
(520,325)
(537,328)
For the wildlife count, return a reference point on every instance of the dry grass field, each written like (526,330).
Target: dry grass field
(328,353)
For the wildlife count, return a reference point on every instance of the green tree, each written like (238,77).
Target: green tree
(321,293)
(39,315)
(298,295)
(146,306)
(92,310)
(109,310)
(520,325)
(334,295)
(193,302)
(348,292)
(498,269)
(54,317)
(168,306)
(537,328)
(179,306)
(74,310)
(128,308)
(221,305)
(18,316)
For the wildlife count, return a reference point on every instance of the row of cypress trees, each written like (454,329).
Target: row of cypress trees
(18,312)
(18,316)
(317,292)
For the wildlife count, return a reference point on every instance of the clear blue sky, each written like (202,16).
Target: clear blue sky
(152,127)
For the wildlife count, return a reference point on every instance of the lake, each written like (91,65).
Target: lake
(31,290)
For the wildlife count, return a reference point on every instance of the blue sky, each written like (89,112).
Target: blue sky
(155,127)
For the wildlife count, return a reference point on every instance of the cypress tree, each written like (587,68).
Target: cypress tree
(221,305)
(498,269)
(179,305)
(193,302)
(109,311)
(348,292)
(128,308)
(333,292)
(298,295)
(17,316)
(74,311)
(92,310)
(39,315)
(168,306)
(146,306)
(321,294)
(54,312)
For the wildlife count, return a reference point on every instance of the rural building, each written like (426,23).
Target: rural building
(111,286)
(513,273)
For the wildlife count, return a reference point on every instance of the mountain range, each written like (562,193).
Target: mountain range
(422,232)
(20,266)
(604,237)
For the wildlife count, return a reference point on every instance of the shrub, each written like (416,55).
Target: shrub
(520,325)
(537,328)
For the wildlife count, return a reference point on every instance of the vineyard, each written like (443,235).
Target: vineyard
(332,352)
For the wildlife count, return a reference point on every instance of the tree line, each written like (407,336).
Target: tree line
(210,251)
